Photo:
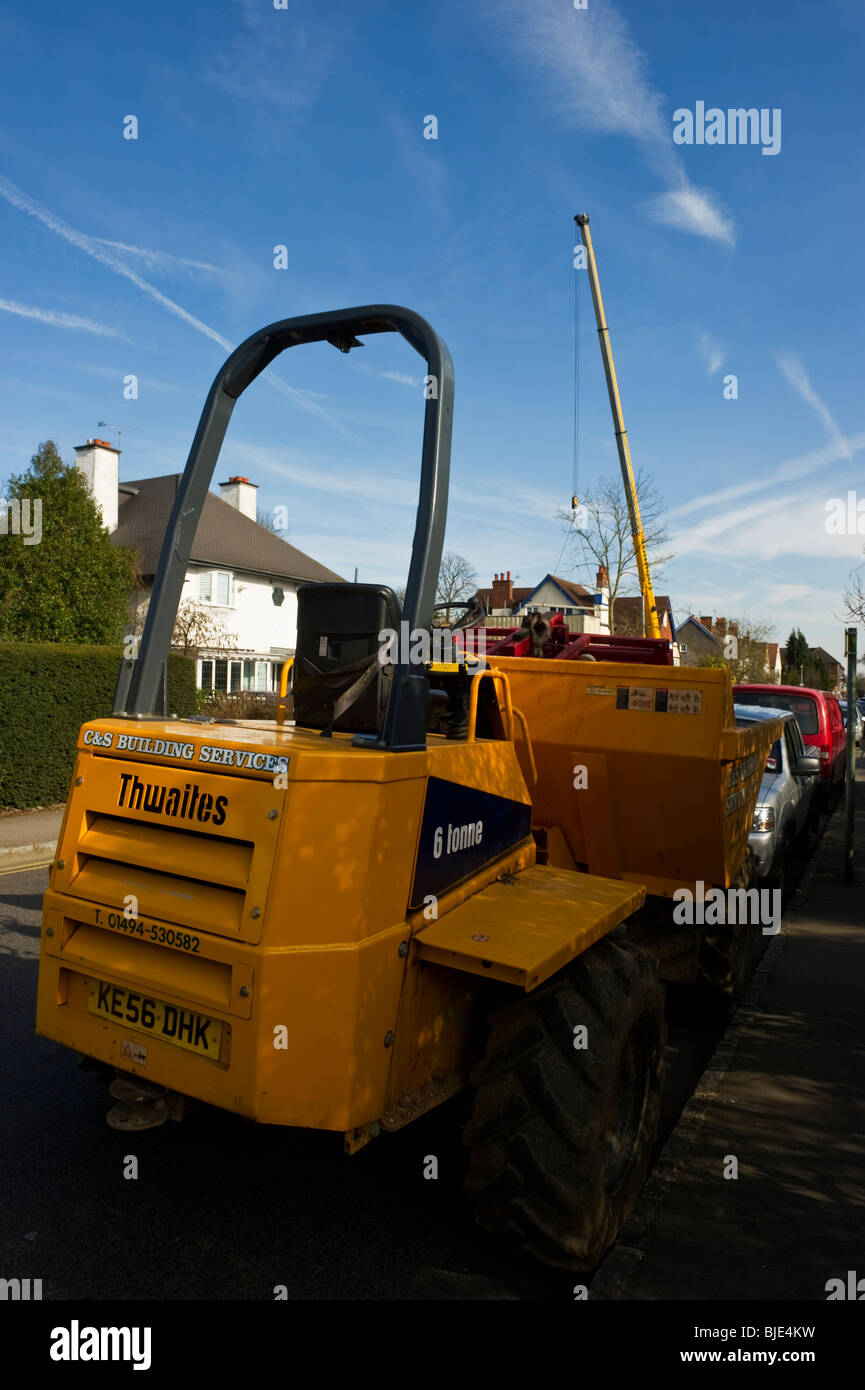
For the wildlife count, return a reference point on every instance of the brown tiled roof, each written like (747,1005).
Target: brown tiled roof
(486,597)
(821,654)
(771,652)
(578,592)
(628,610)
(224,536)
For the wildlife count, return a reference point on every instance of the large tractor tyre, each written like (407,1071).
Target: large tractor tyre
(562,1134)
(727,959)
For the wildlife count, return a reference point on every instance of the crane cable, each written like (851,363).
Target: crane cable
(575,475)
(576,468)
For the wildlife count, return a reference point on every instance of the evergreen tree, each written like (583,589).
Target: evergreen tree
(65,581)
(797,656)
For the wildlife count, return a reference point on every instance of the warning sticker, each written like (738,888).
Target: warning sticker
(685,702)
(634,697)
(600,690)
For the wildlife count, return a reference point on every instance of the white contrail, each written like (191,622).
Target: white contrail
(596,77)
(161,260)
(91,246)
(60,320)
(794,370)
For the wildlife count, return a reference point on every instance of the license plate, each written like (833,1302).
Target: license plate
(168,1022)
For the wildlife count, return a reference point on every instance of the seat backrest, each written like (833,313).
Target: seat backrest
(338,628)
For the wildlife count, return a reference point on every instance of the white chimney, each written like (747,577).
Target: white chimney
(98,461)
(240,493)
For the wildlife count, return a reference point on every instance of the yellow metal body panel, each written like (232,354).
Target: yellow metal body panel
(670,782)
(522,929)
(274,900)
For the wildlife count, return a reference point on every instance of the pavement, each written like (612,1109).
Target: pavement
(782,1105)
(29,836)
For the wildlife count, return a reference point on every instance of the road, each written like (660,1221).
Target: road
(225,1209)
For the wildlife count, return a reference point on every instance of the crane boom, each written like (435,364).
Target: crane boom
(650,610)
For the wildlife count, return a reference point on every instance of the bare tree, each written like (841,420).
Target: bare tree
(457,580)
(602,533)
(742,649)
(854,596)
(271,522)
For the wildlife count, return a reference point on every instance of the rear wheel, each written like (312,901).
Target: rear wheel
(806,841)
(727,959)
(562,1134)
(779,876)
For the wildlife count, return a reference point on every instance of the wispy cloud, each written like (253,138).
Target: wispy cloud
(326,473)
(695,210)
(794,370)
(404,378)
(163,261)
(53,316)
(786,523)
(711,352)
(596,77)
(790,471)
(283,57)
(423,163)
(93,247)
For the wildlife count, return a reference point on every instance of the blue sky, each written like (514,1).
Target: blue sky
(304,126)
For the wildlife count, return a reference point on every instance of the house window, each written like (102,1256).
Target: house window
(216,587)
(255,675)
(221,675)
(683,646)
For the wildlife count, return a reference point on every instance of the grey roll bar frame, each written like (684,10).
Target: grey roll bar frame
(141,682)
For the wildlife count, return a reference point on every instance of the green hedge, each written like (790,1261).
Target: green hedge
(47,691)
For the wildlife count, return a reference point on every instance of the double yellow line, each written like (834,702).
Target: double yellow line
(27,868)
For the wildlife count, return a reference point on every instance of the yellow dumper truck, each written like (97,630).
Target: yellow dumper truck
(339,920)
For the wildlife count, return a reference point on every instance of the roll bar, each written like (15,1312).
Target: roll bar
(141,683)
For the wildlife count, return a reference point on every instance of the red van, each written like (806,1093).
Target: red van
(818,715)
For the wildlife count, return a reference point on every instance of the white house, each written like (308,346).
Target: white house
(240,572)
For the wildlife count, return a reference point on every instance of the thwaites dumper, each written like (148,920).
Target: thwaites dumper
(339,922)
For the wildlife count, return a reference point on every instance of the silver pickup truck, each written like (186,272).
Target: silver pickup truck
(785,817)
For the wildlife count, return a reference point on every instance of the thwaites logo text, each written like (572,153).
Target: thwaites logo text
(190,803)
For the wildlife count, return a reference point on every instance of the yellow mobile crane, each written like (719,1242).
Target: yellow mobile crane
(650,610)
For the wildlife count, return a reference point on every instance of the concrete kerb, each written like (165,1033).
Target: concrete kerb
(616,1271)
(12,856)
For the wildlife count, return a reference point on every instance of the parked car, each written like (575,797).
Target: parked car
(785,817)
(858,722)
(818,715)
